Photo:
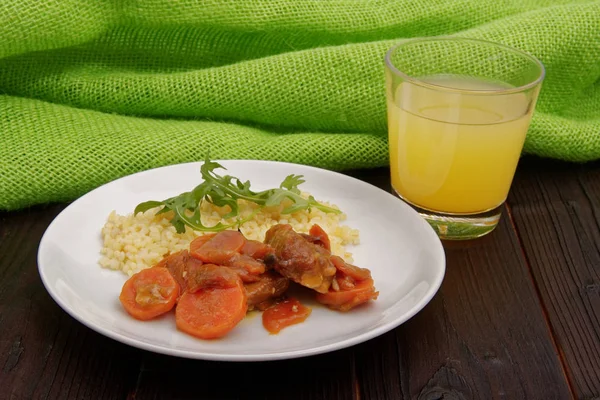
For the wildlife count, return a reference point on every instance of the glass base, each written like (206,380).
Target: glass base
(459,226)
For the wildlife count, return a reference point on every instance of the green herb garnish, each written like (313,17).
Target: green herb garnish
(226,191)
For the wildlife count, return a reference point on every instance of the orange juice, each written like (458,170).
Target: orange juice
(453,152)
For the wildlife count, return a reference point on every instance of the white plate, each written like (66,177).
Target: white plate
(404,254)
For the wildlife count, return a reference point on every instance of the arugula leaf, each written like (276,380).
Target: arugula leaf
(291,182)
(226,190)
(147,205)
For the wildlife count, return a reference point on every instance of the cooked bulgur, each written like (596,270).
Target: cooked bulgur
(132,243)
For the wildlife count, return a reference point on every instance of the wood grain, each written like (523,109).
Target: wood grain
(379,368)
(483,336)
(44,353)
(556,211)
(324,377)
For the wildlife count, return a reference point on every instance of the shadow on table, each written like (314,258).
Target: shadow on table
(322,377)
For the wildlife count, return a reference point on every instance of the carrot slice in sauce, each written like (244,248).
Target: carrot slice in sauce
(317,232)
(200,241)
(211,313)
(281,315)
(353,271)
(219,249)
(149,293)
(247,263)
(256,249)
(345,300)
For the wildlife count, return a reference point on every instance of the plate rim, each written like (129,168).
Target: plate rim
(354,340)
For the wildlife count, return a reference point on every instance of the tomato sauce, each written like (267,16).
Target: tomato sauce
(286,313)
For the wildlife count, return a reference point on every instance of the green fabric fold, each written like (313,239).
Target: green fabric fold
(94,90)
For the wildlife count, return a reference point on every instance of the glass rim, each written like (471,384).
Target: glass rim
(419,82)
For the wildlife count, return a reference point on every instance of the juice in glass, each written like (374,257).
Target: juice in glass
(455,153)
(458,114)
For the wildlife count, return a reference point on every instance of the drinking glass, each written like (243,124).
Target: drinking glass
(458,113)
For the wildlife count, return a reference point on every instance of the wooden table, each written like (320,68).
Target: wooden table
(517,317)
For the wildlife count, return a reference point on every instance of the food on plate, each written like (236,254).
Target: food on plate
(131,243)
(288,312)
(213,310)
(346,299)
(352,286)
(299,259)
(176,264)
(269,286)
(223,249)
(214,283)
(150,293)
(138,241)
(227,191)
(318,236)
(226,249)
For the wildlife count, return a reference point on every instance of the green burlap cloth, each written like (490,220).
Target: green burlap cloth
(91,90)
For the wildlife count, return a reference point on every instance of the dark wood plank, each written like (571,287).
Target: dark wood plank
(556,210)
(323,377)
(379,368)
(483,336)
(44,353)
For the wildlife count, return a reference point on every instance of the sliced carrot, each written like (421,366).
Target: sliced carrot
(322,237)
(256,249)
(200,240)
(248,263)
(211,313)
(288,312)
(221,248)
(224,249)
(149,293)
(345,300)
(359,274)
